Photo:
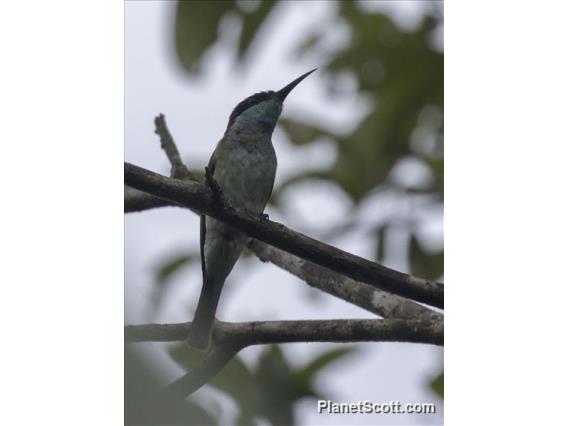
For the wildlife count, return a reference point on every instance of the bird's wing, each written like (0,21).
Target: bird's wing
(272,181)
(272,184)
(202,244)
(202,229)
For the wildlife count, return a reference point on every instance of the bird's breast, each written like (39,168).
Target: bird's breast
(245,172)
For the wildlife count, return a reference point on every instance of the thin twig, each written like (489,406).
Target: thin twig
(179,170)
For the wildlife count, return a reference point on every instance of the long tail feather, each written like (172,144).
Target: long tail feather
(204,318)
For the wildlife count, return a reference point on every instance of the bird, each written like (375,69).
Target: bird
(243,166)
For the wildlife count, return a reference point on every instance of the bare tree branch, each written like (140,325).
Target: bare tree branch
(246,334)
(135,200)
(138,201)
(151,190)
(196,196)
(230,338)
(363,295)
(360,294)
(179,170)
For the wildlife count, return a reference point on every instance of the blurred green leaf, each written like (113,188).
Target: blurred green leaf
(437,385)
(270,389)
(144,403)
(424,264)
(196,29)
(166,269)
(437,167)
(380,232)
(308,372)
(163,273)
(235,379)
(280,385)
(252,22)
(400,73)
(276,387)
(301,133)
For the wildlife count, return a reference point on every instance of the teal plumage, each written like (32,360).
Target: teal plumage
(244,166)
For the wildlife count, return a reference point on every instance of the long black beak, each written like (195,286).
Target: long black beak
(282,93)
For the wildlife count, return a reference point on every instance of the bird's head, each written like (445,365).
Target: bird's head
(261,111)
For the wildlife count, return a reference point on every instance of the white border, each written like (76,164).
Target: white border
(61,227)
(506,212)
